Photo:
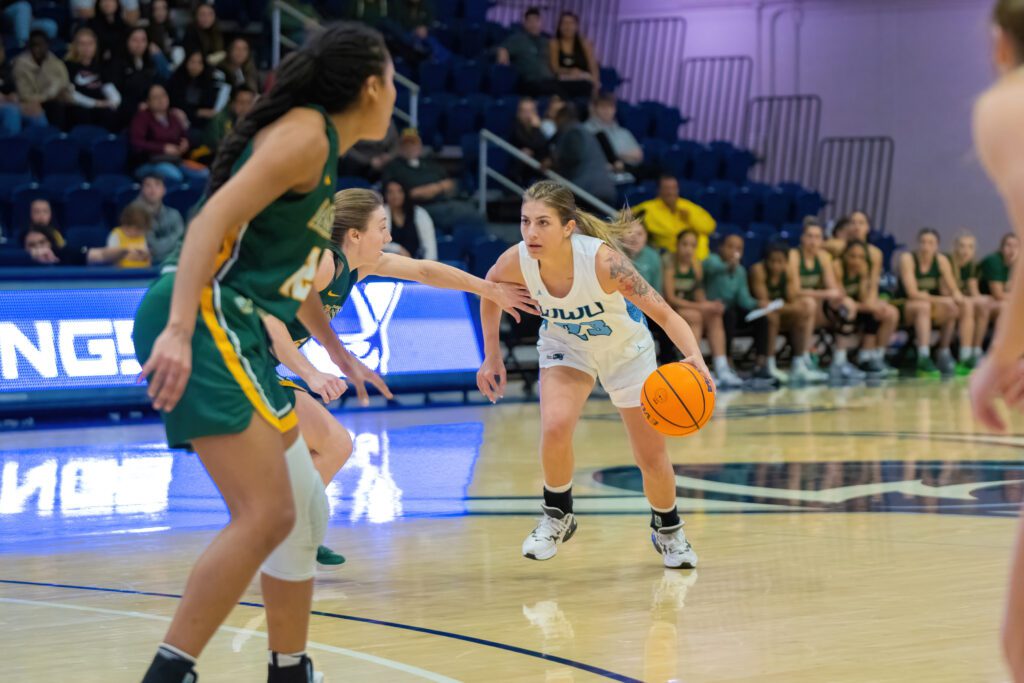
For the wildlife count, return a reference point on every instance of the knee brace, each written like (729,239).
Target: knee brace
(295,558)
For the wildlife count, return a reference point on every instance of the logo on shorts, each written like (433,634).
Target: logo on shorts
(556,356)
(244,305)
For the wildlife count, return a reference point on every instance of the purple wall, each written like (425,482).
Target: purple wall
(909,69)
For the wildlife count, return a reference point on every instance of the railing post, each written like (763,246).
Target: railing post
(414,109)
(482,179)
(275,36)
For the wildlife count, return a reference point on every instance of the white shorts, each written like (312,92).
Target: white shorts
(622,370)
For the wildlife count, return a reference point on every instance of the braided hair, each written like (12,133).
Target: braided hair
(328,71)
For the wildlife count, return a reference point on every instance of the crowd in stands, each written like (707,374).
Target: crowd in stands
(170,81)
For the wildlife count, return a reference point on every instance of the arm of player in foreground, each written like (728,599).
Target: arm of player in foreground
(491,377)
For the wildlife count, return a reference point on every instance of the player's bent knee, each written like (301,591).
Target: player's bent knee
(294,559)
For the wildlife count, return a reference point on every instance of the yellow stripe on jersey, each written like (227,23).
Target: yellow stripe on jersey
(234,365)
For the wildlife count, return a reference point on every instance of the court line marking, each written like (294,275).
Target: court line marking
(382,661)
(597,671)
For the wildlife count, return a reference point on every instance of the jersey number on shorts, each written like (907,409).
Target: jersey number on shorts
(595,328)
(299,283)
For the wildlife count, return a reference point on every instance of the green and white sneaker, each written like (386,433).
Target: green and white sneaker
(328,560)
(926,368)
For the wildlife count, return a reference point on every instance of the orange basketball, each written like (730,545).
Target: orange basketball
(677,400)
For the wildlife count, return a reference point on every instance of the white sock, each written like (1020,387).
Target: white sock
(924,351)
(965,353)
(799,362)
(559,489)
(976,352)
(944,353)
(281,660)
(771,364)
(171,652)
(721,364)
(840,357)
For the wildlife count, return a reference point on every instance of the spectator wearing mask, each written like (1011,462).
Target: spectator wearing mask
(725,280)
(46,248)
(41,80)
(166,224)
(668,214)
(95,99)
(428,184)
(621,149)
(528,52)
(131,236)
(578,157)
(571,59)
(412,229)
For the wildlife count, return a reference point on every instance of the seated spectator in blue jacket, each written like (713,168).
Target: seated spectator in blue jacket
(579,158)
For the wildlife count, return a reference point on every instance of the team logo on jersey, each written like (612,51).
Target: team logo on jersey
(323,220)
(589,311)
(933,486)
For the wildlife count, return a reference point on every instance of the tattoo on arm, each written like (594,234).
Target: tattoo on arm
(630,282)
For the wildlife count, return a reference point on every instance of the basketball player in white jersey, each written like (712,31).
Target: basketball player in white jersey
(593,303)
(999,138)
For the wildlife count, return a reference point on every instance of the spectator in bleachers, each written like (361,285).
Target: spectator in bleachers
(683,288)
(193,90)
(367,158)
(812,270)
(620,146)
(428,183)
(131,235)
(159,137)
(110,29)
(95,99)
(204,35)
(668,214)
(13,115)
(41,79)
(528,52)
(725,281)
(412,229)
(166,225)
(770,281)
(876,318)
(161,31)
(929,297)
(142,68)
(293,27)
(408,32)
(238,67)
(528,138)
(577,156)
(646,260)
(40,215)
(571,58)
(996,268)
(46,248)
(966,273)
(549,125)
(371,12)
(242,99)
(19,13)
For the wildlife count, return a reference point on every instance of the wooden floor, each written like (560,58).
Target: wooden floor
(857,534)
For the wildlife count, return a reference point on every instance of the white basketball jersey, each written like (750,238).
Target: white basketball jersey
(587,318)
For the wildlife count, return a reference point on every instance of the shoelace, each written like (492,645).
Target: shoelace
(549,527)
(675,542)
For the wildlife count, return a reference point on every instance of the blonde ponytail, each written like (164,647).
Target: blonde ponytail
(561,199)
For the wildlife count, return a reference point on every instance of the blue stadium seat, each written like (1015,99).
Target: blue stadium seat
(431,111)
(120,199)
(109,184)
(495,33)
(87,236)
(766,230)
(689,189)
(85,134)
(472,38)
(57,155)
(753,248)
(777,207)
(610,79)
(9,181)
(448,249)
(37,135)
(17,206)
(55,185)
(346,182)
(108,155)
(14,155)
(723,187)
(790,234)
(13,256)
(707,164)
(738,163)
(742,207)
(446,10)
(475,10)
(500,116)
(808,203)
(667,121)
(405,69)
(80,206)
(635,119)
(677,160)
(433,77)
(485,253)
(502,80)
(461,117)
(183,198)
(712,202)
(467,77)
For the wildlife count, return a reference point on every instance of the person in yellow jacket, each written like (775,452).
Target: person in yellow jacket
(131,235)
(668,214)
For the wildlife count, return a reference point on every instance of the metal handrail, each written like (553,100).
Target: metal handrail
(486,137)
(277,40)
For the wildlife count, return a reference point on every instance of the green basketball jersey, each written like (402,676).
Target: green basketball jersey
(332,298)
(851,285)
(778,289)
(273,258)
(813,277)
(964,273)
(928,281)
(686,283)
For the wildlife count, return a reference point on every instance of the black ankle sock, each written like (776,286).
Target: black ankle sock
(300,672)
(170,668)
(562,501)
(665,519)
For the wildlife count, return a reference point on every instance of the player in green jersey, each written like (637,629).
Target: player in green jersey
(253,250)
